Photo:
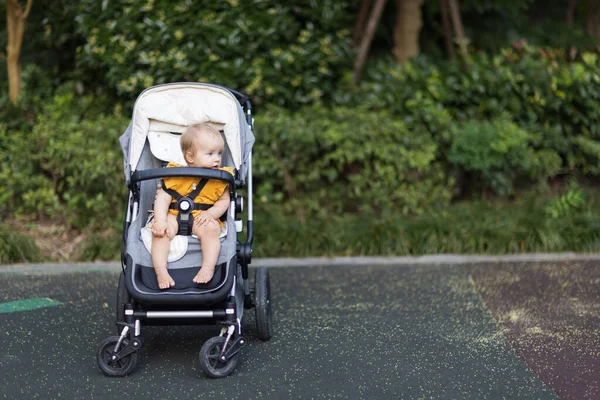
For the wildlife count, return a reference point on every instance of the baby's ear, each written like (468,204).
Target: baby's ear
(189,157)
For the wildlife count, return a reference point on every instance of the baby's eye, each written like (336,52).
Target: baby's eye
(210,153)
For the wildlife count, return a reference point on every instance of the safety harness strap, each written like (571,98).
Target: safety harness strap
(196,206)
(192,195)
(185,219)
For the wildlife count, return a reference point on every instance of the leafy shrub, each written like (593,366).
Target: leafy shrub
(317,160)
(16,248)
(473,227)
(274,51)
(498,154)
(555,100)
(67,167)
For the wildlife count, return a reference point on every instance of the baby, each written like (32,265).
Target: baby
(202,146)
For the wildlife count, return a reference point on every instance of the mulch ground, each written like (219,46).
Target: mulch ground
(550,314)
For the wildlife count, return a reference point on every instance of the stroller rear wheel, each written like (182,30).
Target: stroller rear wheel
(262,304)
(109,361)
(210,358)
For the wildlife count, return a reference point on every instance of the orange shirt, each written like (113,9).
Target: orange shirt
(185,185)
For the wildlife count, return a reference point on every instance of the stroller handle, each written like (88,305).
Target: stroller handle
(208,173)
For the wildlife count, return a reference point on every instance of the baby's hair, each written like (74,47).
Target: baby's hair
(192,133)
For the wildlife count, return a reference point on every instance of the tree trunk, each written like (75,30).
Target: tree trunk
(361,18)
(15,24)
(459,32)
(593,18)
(448,38)
(406,29)
(367,38)
(571,13)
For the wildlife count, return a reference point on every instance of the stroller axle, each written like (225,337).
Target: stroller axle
(182,314)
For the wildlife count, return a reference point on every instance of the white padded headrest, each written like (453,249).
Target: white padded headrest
(173,107)
(164,140)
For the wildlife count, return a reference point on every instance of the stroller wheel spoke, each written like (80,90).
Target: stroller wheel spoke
(110,366)
(210,358)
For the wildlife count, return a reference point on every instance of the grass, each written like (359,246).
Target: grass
(528,225)
(475,227)
(16,247)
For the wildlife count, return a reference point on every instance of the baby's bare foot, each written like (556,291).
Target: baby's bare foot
(164,279)
(204,275)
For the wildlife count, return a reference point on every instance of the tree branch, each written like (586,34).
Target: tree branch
(27,10)
(458,30)
(447,26)
(361,18)
(367,38)
(571,12)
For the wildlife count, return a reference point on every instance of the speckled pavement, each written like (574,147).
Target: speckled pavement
(463,331)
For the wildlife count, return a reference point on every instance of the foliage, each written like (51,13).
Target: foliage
(549,104)
(474,227)
(369,168)
(49,40)
(276,52)
(564,205)
(326,161)
(67,167)
(16,248)
(498,153)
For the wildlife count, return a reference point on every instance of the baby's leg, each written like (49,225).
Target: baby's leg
(160,254)
(209,240)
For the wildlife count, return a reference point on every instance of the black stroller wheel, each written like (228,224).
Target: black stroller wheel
(262,304)
(108,365)
(122,299)
(210,362)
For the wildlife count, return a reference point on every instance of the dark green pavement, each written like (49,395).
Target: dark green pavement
(361,332)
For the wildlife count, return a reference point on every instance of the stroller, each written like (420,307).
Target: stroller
(161,113)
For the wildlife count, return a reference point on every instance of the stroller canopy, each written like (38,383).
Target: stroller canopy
(161,113)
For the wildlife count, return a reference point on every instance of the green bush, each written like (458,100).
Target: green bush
(277,52)
(68,167)
(318,160)
(16,247)
(473,227)
(553,105)
(498,154)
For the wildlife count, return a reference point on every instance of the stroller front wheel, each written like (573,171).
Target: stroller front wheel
(109,360)
(210,359)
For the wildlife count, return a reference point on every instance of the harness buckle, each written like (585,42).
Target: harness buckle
(185,220)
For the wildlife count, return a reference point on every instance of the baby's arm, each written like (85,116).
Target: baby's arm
(217,209)
(161,210)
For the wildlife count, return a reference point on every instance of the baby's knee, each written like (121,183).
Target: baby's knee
(209,230)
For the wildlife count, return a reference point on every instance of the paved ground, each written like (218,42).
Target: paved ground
(523,330)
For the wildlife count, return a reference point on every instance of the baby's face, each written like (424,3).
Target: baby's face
(208,152)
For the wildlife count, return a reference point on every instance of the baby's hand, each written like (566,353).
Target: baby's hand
(204,218)
(159,228)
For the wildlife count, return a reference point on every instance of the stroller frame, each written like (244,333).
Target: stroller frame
(218,357)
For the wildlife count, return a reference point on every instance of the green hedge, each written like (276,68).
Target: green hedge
(549,104)
(321,161)
(16,247)
(68,167)
(405,141)
(539,222)
(277,52)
